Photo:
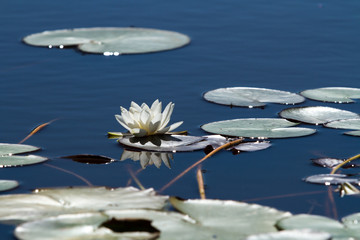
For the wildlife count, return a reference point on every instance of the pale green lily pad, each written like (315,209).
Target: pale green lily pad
(230,219)
(353,133)
(292,235)
(317,115)
(171,143)
(110,41)
(17,208)
(333,94)
(331,179)
(251,97)
(346,124)
(16,161)
(10,149)
(80,226)
(257,128)
(8,185)
(349,229)
(209,219)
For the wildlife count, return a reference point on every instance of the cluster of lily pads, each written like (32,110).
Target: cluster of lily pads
(128,213)
(110,41)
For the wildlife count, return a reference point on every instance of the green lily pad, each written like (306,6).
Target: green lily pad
(333,94)
(353,133)
(251,97)
(257,128)
(317,115)
(10,149)
(16,161)
(349,229)
(171,143)
(331,179)
(292,235)
(41,203)
(80,226)
(200,219)
(230,219)
(346,124)
(8,185)
(110,41)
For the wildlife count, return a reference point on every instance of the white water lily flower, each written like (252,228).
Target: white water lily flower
(145,121)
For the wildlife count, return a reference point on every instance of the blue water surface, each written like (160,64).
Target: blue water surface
(286,45)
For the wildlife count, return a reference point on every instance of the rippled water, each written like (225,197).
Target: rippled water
(285,45)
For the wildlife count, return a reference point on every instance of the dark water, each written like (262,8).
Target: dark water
(286,45)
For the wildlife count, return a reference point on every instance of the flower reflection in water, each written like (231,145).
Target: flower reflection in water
(148,158)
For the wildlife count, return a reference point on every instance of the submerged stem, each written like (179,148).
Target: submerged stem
(343,163)
(229,144)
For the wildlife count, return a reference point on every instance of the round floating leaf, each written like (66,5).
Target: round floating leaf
(327,162)
(346,124)
(349,230)
(331,179)
(81,226)
(90,159)
(316,115)
(353,133)
(8,185)
(304,234)
(252,146)
(251,97)
(230,219)
(110,41)
(165,143)
(333,94)
(257,127)
(10,149)
(41,203)
(15,161)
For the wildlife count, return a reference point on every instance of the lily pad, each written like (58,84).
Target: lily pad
(316,115)
(90,159)
(198,219)
(327,162)
(304,234)
(346,124)
(230,219)
(348,229)
(333,94)
(10,149)
(251,97)
(84,226)
(15,208)
(8,185)
(15,161)
(257,128)
(168,143)
(110,40)
(331,179)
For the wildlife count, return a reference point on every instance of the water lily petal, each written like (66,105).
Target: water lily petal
(138,132)
(145,119)
(135,106)
(175,125)
(156,108)
(166,115)
(121,121)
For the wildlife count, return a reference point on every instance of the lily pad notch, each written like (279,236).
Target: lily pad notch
(110,41)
